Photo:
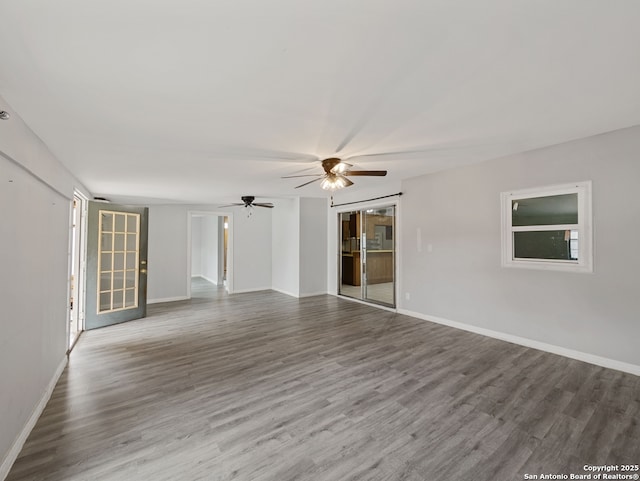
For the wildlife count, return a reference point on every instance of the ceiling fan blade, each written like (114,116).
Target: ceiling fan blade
(399,152)
(310,182)
(378,173)
(268,205)
(349,183)
(229,205)
(423,150)
(305,175)
(258,154)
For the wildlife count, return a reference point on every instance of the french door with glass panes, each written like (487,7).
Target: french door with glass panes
(116,264)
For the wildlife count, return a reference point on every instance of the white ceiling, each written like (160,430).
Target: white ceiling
(205,101)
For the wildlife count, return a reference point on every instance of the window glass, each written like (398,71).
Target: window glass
(105,301)
(550,210)
(105,261)
(130,298)
(132,223)
(553,244)
(121,220)
(106,242)
(118,244)
(118,299)
(118,279)
(107,222)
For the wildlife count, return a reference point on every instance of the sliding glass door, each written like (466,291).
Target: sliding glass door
(378,259)
(367,255)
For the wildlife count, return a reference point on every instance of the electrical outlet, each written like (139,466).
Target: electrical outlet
(407,296)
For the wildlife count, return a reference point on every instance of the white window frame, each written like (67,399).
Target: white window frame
(584,228)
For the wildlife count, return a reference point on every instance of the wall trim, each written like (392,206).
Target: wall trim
(313,294)
(200,276)
(287,293)
(523,341)
(299,296)
(18,444)
(215,283)
(361,301)
(255,289)
(167,299)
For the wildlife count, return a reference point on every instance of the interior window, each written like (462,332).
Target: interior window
(548,228)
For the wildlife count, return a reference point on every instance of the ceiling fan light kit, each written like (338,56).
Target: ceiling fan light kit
(341,168)
(335,174)
(334,182)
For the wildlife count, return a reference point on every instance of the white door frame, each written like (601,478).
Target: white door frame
(190,215)
(77,259)
(397,243)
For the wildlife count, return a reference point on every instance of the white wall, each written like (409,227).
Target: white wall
(299,252)
(207,242)
(168,253)
(285,276)
(461,280)
(169,248)
(313,246)
(196,246)
(35,205)
(209,248)
(251,250)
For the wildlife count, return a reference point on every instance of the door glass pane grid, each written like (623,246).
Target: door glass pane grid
(118,260)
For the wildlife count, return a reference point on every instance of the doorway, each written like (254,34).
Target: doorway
(209,260)
(368,255)
(77,268)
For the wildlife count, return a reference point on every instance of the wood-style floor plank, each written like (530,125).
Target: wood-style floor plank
(263,386)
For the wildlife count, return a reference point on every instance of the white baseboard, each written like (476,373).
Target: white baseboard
(13,453)
(215,283)
(256,289)
(287,293)
(167,299)
(523,341)
(361,301)
(313,294)
(299,296)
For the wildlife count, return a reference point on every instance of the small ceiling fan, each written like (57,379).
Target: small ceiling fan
(248,201)
(335,174)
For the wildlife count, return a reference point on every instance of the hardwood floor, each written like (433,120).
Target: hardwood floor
(263,386)
(375,292)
